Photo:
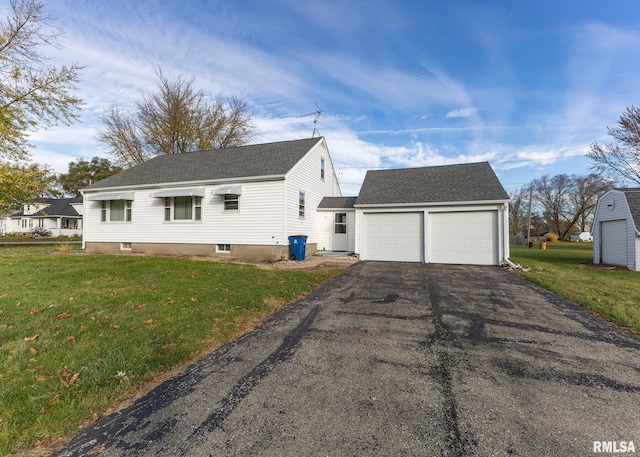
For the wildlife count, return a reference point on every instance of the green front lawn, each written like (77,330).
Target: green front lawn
(80,333)
(566,269)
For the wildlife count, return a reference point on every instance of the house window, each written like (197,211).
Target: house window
(183,209)
(341,223)
(231,202)
(125,246)
(115,211)
(301,204)
(223,248)
(24,223)
(322,168)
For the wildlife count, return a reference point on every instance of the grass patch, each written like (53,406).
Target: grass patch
(29,239)
(565,268)
(80,333)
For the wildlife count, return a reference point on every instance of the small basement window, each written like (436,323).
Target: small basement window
(125,246)
(223,248)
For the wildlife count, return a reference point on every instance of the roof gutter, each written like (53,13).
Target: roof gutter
(162,185)
(423,204)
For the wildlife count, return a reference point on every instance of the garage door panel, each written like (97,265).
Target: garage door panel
(394,237)
(469,237)
(614,242)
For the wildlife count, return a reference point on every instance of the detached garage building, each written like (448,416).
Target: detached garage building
(616,229)
(455,214)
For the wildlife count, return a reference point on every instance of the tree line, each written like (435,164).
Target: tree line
(561,204)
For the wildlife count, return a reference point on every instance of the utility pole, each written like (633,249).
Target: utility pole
(529,243)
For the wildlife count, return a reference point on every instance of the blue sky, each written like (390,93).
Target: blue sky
(526,86)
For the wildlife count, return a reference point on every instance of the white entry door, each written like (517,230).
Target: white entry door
(340,240)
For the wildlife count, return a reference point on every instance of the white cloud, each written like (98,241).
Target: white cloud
(462,112)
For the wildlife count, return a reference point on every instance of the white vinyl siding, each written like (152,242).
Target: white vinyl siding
(305,177)
(259,223)
(326,227)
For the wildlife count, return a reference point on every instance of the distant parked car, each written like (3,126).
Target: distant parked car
(582,237)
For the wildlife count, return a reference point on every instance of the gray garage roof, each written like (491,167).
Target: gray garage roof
(448,183)
(633,200)
(271,159)
(337,203)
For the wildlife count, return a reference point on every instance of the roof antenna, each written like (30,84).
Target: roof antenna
(316,115)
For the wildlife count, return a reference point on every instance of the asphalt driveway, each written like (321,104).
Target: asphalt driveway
(397,359)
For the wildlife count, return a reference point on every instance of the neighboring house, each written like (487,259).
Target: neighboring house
(245,202)
(445,214)
(241,202)
(61,216)
(616,229)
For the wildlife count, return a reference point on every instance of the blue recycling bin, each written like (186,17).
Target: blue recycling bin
(297,246)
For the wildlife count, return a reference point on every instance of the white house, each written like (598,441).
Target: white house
(616,229)
(242,202)
(246,202)
(60,216)
(445,214)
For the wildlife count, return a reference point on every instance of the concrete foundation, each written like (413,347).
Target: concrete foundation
(237,251)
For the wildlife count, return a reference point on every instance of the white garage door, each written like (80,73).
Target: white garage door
(393,236)
(614,242)
(465,237)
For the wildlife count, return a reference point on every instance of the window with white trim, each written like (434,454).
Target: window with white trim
(322,168)
(115,211)
(182,209)
(223,248)
(301,204)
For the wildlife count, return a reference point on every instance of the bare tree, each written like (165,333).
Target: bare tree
(584,198)
(567,202)
(175,119)
(551,193)
(621,157)
(33,91)
(518,209)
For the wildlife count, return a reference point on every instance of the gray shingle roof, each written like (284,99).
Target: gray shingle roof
(633,200)
(238,162)
(447,183)
(62,207)
(57,207)
(337,203)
